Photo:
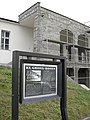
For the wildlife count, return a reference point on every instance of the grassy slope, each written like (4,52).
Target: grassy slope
(78,102)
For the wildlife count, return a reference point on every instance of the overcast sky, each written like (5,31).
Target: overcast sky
(76,9)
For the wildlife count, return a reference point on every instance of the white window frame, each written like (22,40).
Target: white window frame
(4,37)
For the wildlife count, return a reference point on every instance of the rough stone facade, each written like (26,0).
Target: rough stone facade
(47,28)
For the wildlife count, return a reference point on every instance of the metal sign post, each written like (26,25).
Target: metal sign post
(28,74)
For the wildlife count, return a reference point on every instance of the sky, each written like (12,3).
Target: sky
(78,10)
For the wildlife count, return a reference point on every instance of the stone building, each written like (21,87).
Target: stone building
(53,33)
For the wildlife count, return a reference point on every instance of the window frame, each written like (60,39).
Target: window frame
(68,35)
(5,39)
(83,40)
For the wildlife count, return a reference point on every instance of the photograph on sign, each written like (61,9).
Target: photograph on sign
(39,80)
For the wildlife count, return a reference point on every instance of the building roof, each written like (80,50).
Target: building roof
(53,12)
(66,17)
(30,8)
(4,19)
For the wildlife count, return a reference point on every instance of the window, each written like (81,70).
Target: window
(83,40)
(5,40)
(66,36)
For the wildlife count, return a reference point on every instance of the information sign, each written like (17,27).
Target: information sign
(38,81)
(34,79)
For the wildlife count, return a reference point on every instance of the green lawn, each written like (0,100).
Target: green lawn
(78,102)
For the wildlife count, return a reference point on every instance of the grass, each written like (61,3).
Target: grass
(78,102)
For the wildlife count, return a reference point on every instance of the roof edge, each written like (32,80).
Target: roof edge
(4,19)
(29,8)
(65,16)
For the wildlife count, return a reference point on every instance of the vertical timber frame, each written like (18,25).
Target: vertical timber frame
(63,101)
(15,105)
(15,82)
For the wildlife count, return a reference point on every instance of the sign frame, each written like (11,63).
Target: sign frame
(16,80)
(36,98)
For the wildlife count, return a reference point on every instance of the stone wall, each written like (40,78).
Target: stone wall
(47,26)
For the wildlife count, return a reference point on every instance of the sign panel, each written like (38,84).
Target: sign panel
(38,81)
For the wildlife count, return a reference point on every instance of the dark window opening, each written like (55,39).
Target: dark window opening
(66,36)
(83,40)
